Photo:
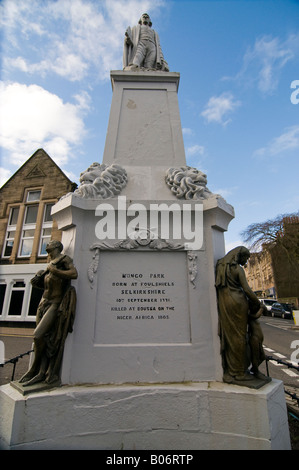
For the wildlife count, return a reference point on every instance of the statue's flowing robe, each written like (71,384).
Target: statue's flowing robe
(57,336)
(235,299)
(130,51)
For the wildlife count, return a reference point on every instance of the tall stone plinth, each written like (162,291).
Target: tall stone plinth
(142,368)
(151,301)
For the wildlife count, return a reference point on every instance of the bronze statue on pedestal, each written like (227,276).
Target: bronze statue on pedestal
(54,318)
(240,333)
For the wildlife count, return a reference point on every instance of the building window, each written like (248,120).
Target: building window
(28,230)
(2,296)
(10,232)
(33,196)
(46,229)
(16,299)
(36,295)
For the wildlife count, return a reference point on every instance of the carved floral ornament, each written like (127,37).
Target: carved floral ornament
(101,181)
(140,240)
(188,183)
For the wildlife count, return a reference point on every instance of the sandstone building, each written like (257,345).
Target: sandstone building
(274,272)
(26,226)
(260,275)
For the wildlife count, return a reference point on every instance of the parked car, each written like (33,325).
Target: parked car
(268,303)
(279,310)
(289,309)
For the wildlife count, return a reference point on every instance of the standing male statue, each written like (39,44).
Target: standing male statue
(240,332)
(142,47)
(54,317)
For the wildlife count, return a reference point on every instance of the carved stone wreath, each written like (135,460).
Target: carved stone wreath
(101,181)
(187,183)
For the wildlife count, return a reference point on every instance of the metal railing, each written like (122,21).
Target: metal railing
(14,361)
(289,365)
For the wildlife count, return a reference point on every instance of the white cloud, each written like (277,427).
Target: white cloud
(195,156)
(218,107)
(4,175)
(187,131)
(224,192)
(195,150)
(288,140)
(79,40)
(263,62)
(31,117)
(83,37)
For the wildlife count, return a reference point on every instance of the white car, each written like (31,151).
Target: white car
(268,303)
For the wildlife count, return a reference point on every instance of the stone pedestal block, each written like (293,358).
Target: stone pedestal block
(191,416)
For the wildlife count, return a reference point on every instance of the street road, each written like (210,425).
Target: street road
(281,341)
(16,341)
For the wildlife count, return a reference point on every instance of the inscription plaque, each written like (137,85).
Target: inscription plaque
(142,297)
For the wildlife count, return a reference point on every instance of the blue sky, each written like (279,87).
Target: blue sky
(238,61)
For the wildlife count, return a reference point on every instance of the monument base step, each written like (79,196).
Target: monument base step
(193,416)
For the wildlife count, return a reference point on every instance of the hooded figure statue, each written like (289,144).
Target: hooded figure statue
(239,308)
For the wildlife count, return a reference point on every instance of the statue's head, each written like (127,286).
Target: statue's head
(145,19)
(243,255)
(53,245)
(238,255)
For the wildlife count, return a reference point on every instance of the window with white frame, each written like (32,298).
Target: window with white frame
(28,230)
(10,232)
(33,196)
(16,299)
(46,230)
(2,294)
(35,298)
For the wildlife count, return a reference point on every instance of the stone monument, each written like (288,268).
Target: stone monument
(143,368)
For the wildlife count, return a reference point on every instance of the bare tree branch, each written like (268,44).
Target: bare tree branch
(273,233)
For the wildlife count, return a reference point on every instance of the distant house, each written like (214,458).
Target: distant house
(26,226)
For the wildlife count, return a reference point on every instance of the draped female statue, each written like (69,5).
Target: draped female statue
(239,308)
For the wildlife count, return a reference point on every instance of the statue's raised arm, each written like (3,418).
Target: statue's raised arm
(142,49)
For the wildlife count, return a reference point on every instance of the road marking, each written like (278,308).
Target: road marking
(291,373)
(276,363)
(281,356)
(268,349)
(283,327)
(288,371)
